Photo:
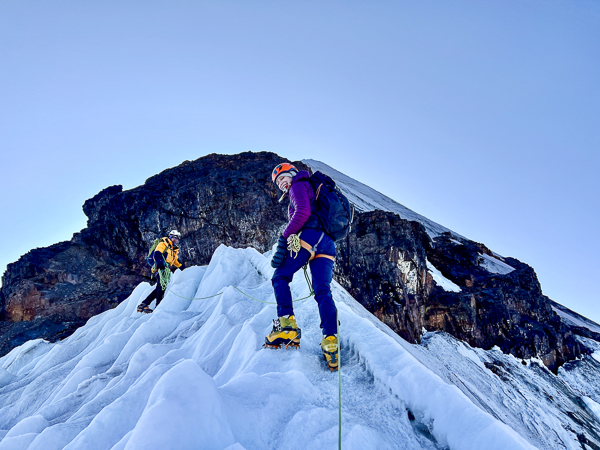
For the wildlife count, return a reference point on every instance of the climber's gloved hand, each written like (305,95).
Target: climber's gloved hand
(280,253)
(160,265)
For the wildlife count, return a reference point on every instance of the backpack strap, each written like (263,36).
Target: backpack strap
(168,245)
(317,193)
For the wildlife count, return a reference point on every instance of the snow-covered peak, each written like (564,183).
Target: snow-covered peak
(194,375)
(366,198)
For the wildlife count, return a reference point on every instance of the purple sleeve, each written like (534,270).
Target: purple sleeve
(299,208)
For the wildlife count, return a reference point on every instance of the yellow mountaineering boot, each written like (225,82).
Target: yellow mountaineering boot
(329,345)
(285,332)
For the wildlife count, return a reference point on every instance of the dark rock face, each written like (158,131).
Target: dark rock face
(52,291)
(507,310)
(383,264)
(213,200)
(66,280)
(220,199)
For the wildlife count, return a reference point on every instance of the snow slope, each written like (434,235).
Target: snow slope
(494,265)
(442,281)
(194,375)
(366,198)
(574,319)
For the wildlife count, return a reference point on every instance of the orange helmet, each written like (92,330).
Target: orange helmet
(283,168)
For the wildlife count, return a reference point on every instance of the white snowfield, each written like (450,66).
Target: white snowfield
(194,375)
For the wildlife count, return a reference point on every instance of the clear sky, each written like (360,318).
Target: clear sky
(481,115)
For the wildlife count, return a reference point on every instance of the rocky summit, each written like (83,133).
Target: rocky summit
(393,266)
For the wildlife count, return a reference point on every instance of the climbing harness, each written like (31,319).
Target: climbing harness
(295,244)
(312,249)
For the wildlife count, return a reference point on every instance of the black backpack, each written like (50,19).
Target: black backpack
(332,208)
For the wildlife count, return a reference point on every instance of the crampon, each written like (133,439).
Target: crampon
(286,345)
(143,309)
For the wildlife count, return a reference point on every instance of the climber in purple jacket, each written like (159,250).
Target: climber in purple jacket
(302,241)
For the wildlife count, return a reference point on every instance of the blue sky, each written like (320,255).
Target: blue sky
(482,116)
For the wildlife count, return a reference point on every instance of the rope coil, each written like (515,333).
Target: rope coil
(294,245)
(164,276)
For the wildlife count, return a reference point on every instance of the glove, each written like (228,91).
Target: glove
(160,264)
(182,266)
(280,253)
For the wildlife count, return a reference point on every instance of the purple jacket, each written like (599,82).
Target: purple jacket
(301,197)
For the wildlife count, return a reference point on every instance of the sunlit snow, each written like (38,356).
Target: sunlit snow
(442,281)
(194,375)
(494,265)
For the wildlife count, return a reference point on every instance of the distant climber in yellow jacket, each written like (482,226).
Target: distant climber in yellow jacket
(165,255)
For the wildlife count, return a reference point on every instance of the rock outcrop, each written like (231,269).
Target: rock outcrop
(219,199)
(383,264)
(503,309)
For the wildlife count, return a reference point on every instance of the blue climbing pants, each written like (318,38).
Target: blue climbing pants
(322,273)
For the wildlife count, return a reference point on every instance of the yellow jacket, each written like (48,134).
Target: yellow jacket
(169,252)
